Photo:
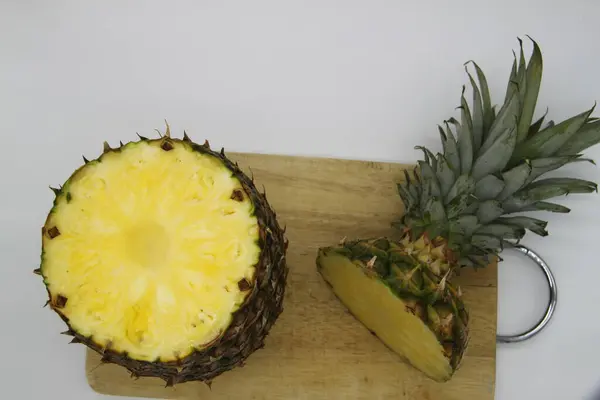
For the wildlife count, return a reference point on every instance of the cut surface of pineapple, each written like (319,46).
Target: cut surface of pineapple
(149,250)
(385,314)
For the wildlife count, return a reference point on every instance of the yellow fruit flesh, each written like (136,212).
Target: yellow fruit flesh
(382,312)
(151,249)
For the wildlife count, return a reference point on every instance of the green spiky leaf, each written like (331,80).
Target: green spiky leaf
(487,241)
(505,121)
(541,166)
(437,211)
(444,174)
(428,156)
(548,141)
(546,189)
(535,127)
(451,149)
(465,137)
(425,195)
(532,79)
(549,187)
(429,176)
(465,225)
(412,189)
(587,136)
(545,206)
(515,179)
(497,155)
(488,112)
(477,117)
(489,210)
(521,70)
(535,225)
(488,187)
(504,231)
(464,184)
(511,87)
(458,205)
(407,198)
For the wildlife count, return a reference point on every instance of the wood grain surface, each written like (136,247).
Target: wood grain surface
(316,350)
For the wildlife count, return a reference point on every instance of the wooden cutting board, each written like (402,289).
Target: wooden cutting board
(316,350)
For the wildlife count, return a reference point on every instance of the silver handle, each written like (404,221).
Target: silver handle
(537,328)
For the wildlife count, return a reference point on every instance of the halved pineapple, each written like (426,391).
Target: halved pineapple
(162,256)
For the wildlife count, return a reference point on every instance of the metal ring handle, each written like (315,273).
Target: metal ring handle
(551,303)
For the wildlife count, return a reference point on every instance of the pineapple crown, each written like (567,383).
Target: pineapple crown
(491,167)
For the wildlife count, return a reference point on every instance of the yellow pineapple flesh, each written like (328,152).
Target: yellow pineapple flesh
(156,246)
(163,257)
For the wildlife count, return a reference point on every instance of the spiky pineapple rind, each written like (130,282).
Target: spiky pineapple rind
(251,322)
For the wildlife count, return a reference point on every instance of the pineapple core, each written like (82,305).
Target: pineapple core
(385,315)
(150,251)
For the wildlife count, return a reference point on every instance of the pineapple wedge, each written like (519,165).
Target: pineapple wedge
(394,296)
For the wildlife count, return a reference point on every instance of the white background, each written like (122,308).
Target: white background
(354,79)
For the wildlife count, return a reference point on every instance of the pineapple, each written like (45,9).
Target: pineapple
(162,256)
(462,207)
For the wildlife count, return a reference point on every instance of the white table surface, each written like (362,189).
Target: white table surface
(356,79)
